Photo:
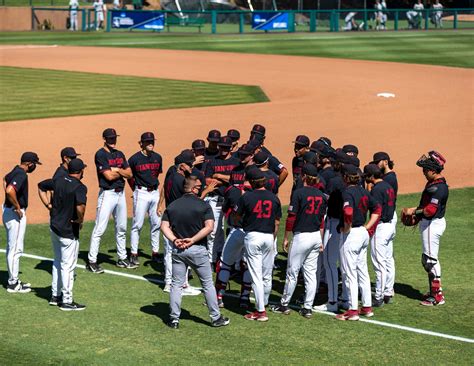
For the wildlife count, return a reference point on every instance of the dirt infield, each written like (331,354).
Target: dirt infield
(318,97)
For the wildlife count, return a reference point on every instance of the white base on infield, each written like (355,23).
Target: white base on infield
(376,322)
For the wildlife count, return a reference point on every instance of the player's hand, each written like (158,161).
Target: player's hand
(212,185)
(199,160)
(178,243)
(19,212)
(114,169)
(321,248)
(286,244)
(410,211)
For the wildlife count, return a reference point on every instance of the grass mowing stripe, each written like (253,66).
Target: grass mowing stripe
(56,93)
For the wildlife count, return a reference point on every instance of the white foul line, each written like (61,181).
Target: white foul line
(376,322)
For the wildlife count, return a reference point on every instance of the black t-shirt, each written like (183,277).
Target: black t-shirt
(221,166)
(391,178)
(259,209)
(237,175)
(384,194)
(231,199)
(47,184)
(360,200)
(187,215)
(436,192)
(18,179)
(69,192)
(146,169)
(60,172)
(275,165)
(272,181)
(309,205)
(174,185)
(105,160)
(334,188)
(327,173)
(299,184)
(297,166)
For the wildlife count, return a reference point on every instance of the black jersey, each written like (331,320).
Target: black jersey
(187,215)
(309,205)
(18,179)
(275,165)
(327,173)
(146,169)
(174,185)
(69,192)
(384,194)
(435,195)
(334,188)
(221,166)
(47,184)
(259,209)
(60,172)
(272,181)
(391,178)
(231,199)
(237,175)
(358,202)
(296,167)
(321,185)
(105,160)
(208,156)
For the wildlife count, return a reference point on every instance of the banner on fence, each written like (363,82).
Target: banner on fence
(269,21)
(146,20)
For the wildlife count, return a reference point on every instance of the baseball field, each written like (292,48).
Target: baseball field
(62,89)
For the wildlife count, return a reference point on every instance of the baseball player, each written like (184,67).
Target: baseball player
(186,224)
(306,220)
(67,211)
(99,8)
(112,170)
(437,14)
(382,241)
(235,136)
(351,24)
(199,149)
(380,16)
(414,16)
(311,158)
(430,212)
(218,171)
(245,155)
(382,160)
(354,243)
(212,150)
(73,7)
(146,166)
(271,179)
(260,211)
(301,147)
(15,185)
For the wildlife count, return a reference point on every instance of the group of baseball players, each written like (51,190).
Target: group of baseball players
(335,211)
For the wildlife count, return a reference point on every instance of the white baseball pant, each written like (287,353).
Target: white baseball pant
(145,202)
(110,203)
(66,252)
(389,291)
(380,252)
(215,240)
(331,256)
(304,253)
(15,228)
(353,258)
(73,18)
(431,232)
(260,256)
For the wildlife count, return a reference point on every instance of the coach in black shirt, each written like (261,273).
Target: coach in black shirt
(186,223)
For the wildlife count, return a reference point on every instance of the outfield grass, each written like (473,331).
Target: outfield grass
(123,323)
(57,93)
(450,48)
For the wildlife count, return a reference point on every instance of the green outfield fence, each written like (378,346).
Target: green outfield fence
(230,21)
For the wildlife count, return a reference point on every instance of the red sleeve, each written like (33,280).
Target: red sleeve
(348,212)
(378,209)
(430,209)
(290,221)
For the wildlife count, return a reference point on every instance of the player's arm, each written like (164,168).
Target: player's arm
(45,189)
(201,234)
(221,177)
(125,172)
(12,198)
(282,176)
(347,212)
(209,187)
(277,217)
(375,207)
(161,203)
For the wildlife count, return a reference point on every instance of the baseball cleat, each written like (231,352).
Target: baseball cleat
(331,307)
(431,301)
(134,260)
(220,303)
(167,288)
(19,287)
(94,268)
(257,315)
(280,309)
(344,305)
(306,313)
(191,291)
(155,257)
(378,303)
(221,322)
(348,315)
(244,303)
(366,311)
(55,300)
(73,306)
(173,324)
(388,299)
(124,263)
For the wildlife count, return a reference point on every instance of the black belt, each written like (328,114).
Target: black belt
(149,189)
(118,190)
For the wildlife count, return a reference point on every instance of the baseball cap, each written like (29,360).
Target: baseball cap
(147,136)
(225,142)
(317,146)
(260,158)
(198,145)
(378,156)
(76,166)
(354,161)
(234,135)
(310,169)
(69,152)
(186,157)
(109,132)
(245,150)
(350,169)
(310,157)
(254,174)
(30,157)
(258,130)
(302,140)
(254,143)
(342,157)
(371,169)
(325,140)
(213,136)
(350,149)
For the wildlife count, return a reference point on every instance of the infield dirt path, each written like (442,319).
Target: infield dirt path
(312,96)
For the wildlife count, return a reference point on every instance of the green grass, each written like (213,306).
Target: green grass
(64,93)
(450,48)
(40,3)
(123,323)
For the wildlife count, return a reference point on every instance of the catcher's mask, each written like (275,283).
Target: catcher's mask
(434,161)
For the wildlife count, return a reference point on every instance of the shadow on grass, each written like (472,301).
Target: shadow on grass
(161,310)
(46,266)
(101,258)
(42,292)
(408,291)
(4,278)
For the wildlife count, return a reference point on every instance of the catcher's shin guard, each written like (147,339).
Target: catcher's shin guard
(222,277)
(436,290)
(246,286)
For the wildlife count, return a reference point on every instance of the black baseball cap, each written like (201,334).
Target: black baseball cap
(245,150)
(147,136)
(261,158)
(317,146)
(342,157)
(254,143)
(109,132)
(371,169)
(214,136)
(69,152)
(350,149)
(302,141)
(354,161)
(76,166)
(30,157)
(234,135)
(378,156)
(310,157)
(350,169)
(225,142)
(254,174)
(325,140)
(186,156)
(310,169)
(198,145)
(258,130)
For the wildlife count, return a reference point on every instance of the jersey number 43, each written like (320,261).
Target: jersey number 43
(263,209)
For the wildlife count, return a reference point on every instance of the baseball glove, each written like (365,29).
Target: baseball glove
(409,220)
